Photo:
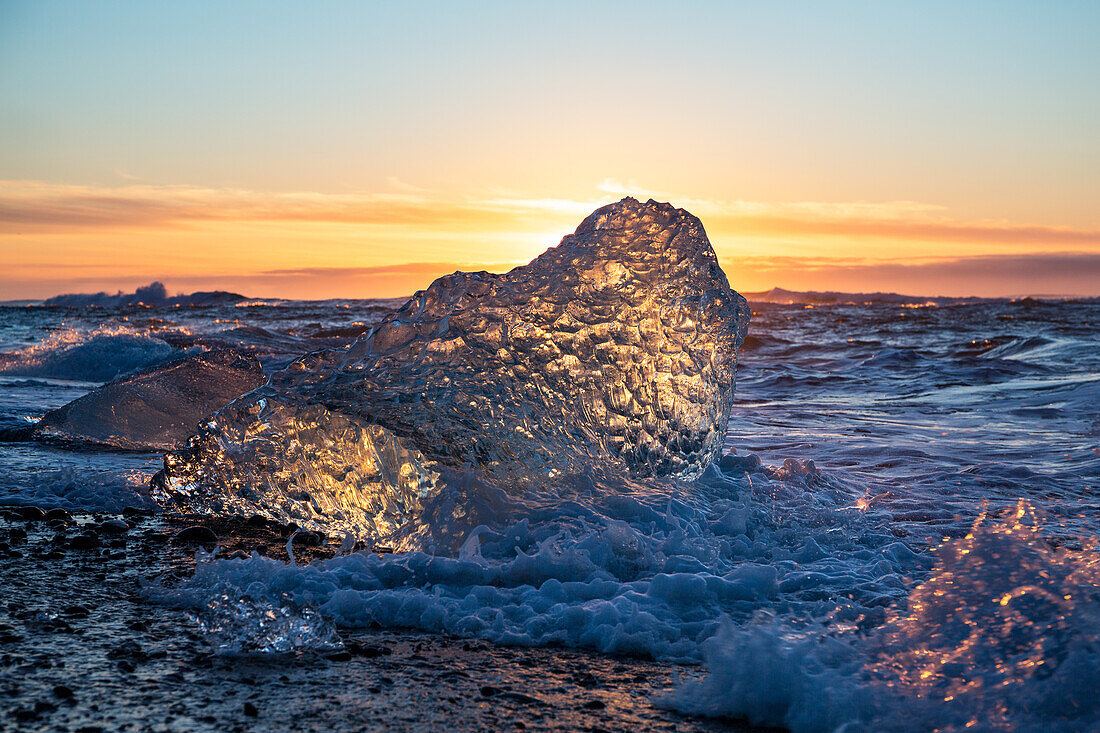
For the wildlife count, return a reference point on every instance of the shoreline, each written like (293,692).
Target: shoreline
(82,649)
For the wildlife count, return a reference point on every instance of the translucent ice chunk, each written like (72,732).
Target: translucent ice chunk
(156,408)
(618,347)
(243,626)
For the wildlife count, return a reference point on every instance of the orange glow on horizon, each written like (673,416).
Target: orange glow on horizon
(65,238)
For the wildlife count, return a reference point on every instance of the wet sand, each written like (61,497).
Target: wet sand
(83,649)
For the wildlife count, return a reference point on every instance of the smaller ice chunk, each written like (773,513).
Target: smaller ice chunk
(157,408)
(241,626)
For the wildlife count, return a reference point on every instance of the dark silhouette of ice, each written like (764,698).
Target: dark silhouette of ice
(154,294)
(157,408)
(616,347)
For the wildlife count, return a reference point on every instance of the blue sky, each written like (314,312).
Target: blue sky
(985,112)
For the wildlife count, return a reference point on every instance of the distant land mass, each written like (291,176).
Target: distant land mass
(780,296)
(828,297)
(154,294)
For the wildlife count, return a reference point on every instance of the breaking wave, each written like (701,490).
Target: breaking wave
(98,355)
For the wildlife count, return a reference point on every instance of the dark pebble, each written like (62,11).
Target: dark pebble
(24,714)
(197,535)
(521,698)
(17,533)
(114,526)
(595,705)
(256,520)
(127,649)
(288,529)
(339,657)
(62,692)
(84,542)
(309,539)
(126,666)
(488,691)
(44,707)
(133,511)
(360,650)
(90,729)
(30,514)
(59,515)
(250,710)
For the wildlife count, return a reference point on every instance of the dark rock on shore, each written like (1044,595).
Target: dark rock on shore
(30,513)
(59,515)
(113,526)
(196,535)
(84,542)
(309,539)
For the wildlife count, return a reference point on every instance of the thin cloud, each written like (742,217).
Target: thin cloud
(1067,273)
(44,207)
(630,188)
(406,268)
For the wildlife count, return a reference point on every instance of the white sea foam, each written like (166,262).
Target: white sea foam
(611,564)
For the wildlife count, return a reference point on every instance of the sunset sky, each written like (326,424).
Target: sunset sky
(326,149)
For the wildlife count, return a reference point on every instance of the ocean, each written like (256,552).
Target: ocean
(900,536)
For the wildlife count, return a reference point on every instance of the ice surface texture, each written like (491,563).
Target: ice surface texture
(157,408)
(616,347)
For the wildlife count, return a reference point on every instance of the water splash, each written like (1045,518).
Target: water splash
(1005,629)
(1002,636)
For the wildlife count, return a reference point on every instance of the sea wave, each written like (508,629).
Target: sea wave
(97,355)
